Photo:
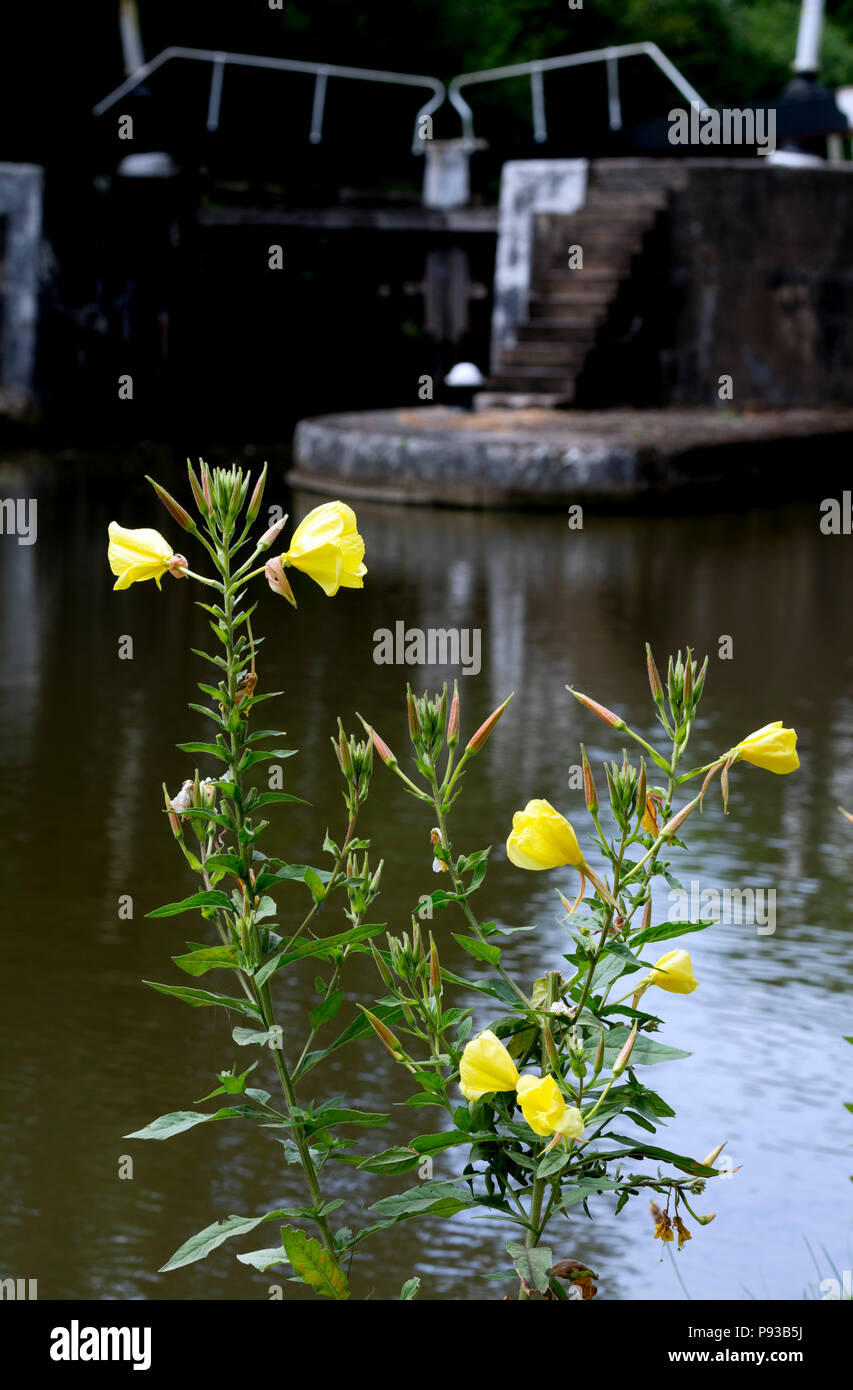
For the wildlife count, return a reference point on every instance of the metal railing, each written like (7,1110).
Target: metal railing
(320,71)
(536,69)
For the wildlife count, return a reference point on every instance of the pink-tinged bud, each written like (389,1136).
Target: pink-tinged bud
(641,788)
(453,721)
(601,710)
(278,580)
(178,567)
(678,819)
(846,813)
(647,916)
(724,786)
(382,748)
(477,740)
(622,1060)
(200,499)
(182,516)
(384,1034)
(205,483)
(269,536)
(257,494)
(654,677)
(589,789)
(173,819)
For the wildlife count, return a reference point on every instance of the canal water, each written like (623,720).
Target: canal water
(86,739)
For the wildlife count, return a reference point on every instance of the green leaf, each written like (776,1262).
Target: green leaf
(208,958)
(327,1010)
(437,1196)
(552,1163)
(201,1244)
(314,882)
(230,863)
(410,1289)
(244,1036)
(321,948)
(480,950)
(587,1188)
(198,997)
(267,799)
(212,749)
(264,1259)
(210,898)
(532,1264)
(265,756)
(664,931)
(390,1161)
(165,1126)
(643,1150)
(313,1265)
(646,1052)
(359,1028)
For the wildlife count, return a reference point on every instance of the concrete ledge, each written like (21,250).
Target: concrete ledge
(549,458)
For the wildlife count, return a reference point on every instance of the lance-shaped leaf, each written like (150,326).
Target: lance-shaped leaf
(314,1266)
(199,997)
(165,1126)
(209,898)
(533,1265)
(201,1244)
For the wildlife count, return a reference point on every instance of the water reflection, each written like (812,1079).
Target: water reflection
(87,739)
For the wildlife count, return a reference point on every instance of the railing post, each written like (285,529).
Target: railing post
(215,99)
(318,108)
(537,94)
(614,105)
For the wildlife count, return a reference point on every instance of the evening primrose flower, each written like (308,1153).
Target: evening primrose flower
(545,1110)
(773,748)
(542,839)
(138,554)
(674,973)
(327,547)
(486,1066)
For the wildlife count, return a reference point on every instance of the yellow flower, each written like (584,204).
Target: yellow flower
(486,1066)
(542,839)
(773,748)
(137,555)
(674,972)
(649,822)
(545,1110)
(327,547)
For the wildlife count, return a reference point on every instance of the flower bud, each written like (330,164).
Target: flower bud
(182,516)
(205,483)
(384,1034)
(201,500)
(387,978)
(434,969)
(622,1060)
(589,785)
(709,1161)
(654,677)
(278,580)
(255,500)
(414,722)
(477,740)
(178,567)
(598,1061)
(381,747)
(677,820)
(453,721)
(270,534)
(602,711)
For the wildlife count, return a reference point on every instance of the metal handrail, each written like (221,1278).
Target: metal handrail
(321,71)
(538,66)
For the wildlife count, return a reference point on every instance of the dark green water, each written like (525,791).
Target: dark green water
(86,739)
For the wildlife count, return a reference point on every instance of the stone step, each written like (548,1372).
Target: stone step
(580,328)
(521,399)
(569,356)
(533,379)
(551,306)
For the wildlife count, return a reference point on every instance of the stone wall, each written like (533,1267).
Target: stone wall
(749,275)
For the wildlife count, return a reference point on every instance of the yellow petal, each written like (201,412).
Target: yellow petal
(485,1067)
(542,839)
(773,748)
(135,555)
(544,1108)
(327,547)
(674,973)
